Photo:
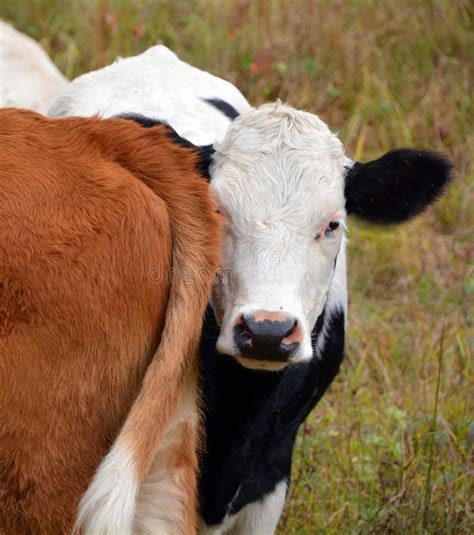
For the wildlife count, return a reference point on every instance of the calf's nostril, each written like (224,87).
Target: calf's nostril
(243,323)
(293,336)
(290,329)
(242,333)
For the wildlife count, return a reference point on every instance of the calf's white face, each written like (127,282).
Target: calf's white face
(278,178)
(284,185)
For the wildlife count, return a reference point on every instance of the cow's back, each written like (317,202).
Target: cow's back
(84,252)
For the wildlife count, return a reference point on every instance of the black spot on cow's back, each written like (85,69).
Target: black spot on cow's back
(224,107)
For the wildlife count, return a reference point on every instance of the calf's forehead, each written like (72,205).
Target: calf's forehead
(278,163)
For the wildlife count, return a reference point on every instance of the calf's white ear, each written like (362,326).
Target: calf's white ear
(397,186)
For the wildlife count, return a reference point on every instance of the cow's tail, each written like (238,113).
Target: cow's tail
(108,506)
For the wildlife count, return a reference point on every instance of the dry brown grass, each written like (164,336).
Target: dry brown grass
(371,458)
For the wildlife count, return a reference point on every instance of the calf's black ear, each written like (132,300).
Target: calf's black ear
(397,186)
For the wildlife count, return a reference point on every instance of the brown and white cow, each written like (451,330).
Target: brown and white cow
(98,342)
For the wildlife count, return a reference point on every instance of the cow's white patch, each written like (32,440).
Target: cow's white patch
(108,506)
(162,501)
(161,504)
(158,85)
(337,297)
(257,518)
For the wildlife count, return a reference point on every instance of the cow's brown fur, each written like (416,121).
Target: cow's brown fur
(94,214)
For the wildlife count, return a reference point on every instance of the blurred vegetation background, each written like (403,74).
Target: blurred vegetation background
(390,447)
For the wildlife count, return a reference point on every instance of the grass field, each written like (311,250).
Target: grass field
(390,447)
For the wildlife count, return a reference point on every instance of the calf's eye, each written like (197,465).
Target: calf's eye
(331,229)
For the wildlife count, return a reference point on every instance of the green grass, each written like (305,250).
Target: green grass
(388,448)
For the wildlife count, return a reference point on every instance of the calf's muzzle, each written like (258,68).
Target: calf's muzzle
(267,335)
